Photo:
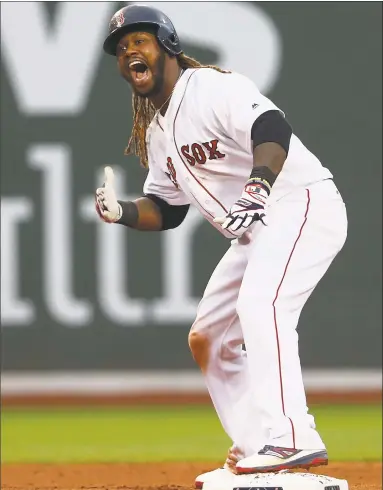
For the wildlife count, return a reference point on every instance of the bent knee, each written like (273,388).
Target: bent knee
(199,345)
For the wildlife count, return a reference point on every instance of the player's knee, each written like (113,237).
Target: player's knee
(200,348)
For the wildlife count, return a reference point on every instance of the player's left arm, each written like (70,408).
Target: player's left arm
(270,135)
(268,132)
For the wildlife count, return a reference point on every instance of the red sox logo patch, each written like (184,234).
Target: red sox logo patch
(118,19)
(172,172)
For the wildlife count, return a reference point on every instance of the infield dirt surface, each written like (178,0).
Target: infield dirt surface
(151,476)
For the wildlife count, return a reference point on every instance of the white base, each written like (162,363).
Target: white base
(278,481)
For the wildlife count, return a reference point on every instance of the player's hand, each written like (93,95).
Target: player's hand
(107,206)
(250,207)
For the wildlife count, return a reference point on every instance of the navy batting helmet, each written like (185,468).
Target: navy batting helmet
(134,17)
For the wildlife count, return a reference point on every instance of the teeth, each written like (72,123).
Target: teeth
(134,63)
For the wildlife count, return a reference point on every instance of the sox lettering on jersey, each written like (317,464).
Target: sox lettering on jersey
(200,153)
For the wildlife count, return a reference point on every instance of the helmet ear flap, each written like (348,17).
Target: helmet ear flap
(169,40)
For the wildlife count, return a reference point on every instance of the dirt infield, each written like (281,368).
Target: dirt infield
(161,476)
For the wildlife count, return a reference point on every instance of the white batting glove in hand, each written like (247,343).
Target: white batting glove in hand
(106,203)
(249,208)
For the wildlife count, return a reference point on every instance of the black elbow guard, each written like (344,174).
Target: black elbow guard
(172,216)
(272,127)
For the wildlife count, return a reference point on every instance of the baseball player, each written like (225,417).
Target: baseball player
(210,139)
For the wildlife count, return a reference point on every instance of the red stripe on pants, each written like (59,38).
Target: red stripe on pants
(275,313)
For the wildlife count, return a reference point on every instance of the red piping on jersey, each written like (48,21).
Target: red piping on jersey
(275,314)
(188,169)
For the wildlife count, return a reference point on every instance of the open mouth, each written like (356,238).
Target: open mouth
(139,71)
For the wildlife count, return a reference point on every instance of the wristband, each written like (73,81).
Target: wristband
(128,214)
(264,176)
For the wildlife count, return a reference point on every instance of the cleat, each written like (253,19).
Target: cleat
(273,459)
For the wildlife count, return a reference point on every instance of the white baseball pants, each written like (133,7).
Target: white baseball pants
(255,296)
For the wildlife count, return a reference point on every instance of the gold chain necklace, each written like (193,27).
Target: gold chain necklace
(167,100)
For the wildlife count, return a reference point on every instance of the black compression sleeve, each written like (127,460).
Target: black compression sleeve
(272,127)
(129,214)
(172,216)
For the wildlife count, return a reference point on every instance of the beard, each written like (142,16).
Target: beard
(158,77)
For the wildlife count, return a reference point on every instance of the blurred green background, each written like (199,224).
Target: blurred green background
(161,433)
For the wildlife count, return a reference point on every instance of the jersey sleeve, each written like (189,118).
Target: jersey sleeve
(159,183)
(237,105)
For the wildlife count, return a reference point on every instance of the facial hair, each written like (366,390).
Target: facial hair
(158,74)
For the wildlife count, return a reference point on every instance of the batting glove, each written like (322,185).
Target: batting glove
(106,203)
(249,208)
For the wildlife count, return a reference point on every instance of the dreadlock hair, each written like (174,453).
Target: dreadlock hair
(144,111)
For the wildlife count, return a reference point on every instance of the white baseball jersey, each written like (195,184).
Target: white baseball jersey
(201,151)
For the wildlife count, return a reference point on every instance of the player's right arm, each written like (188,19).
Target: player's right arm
(141,214)
(147,213)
